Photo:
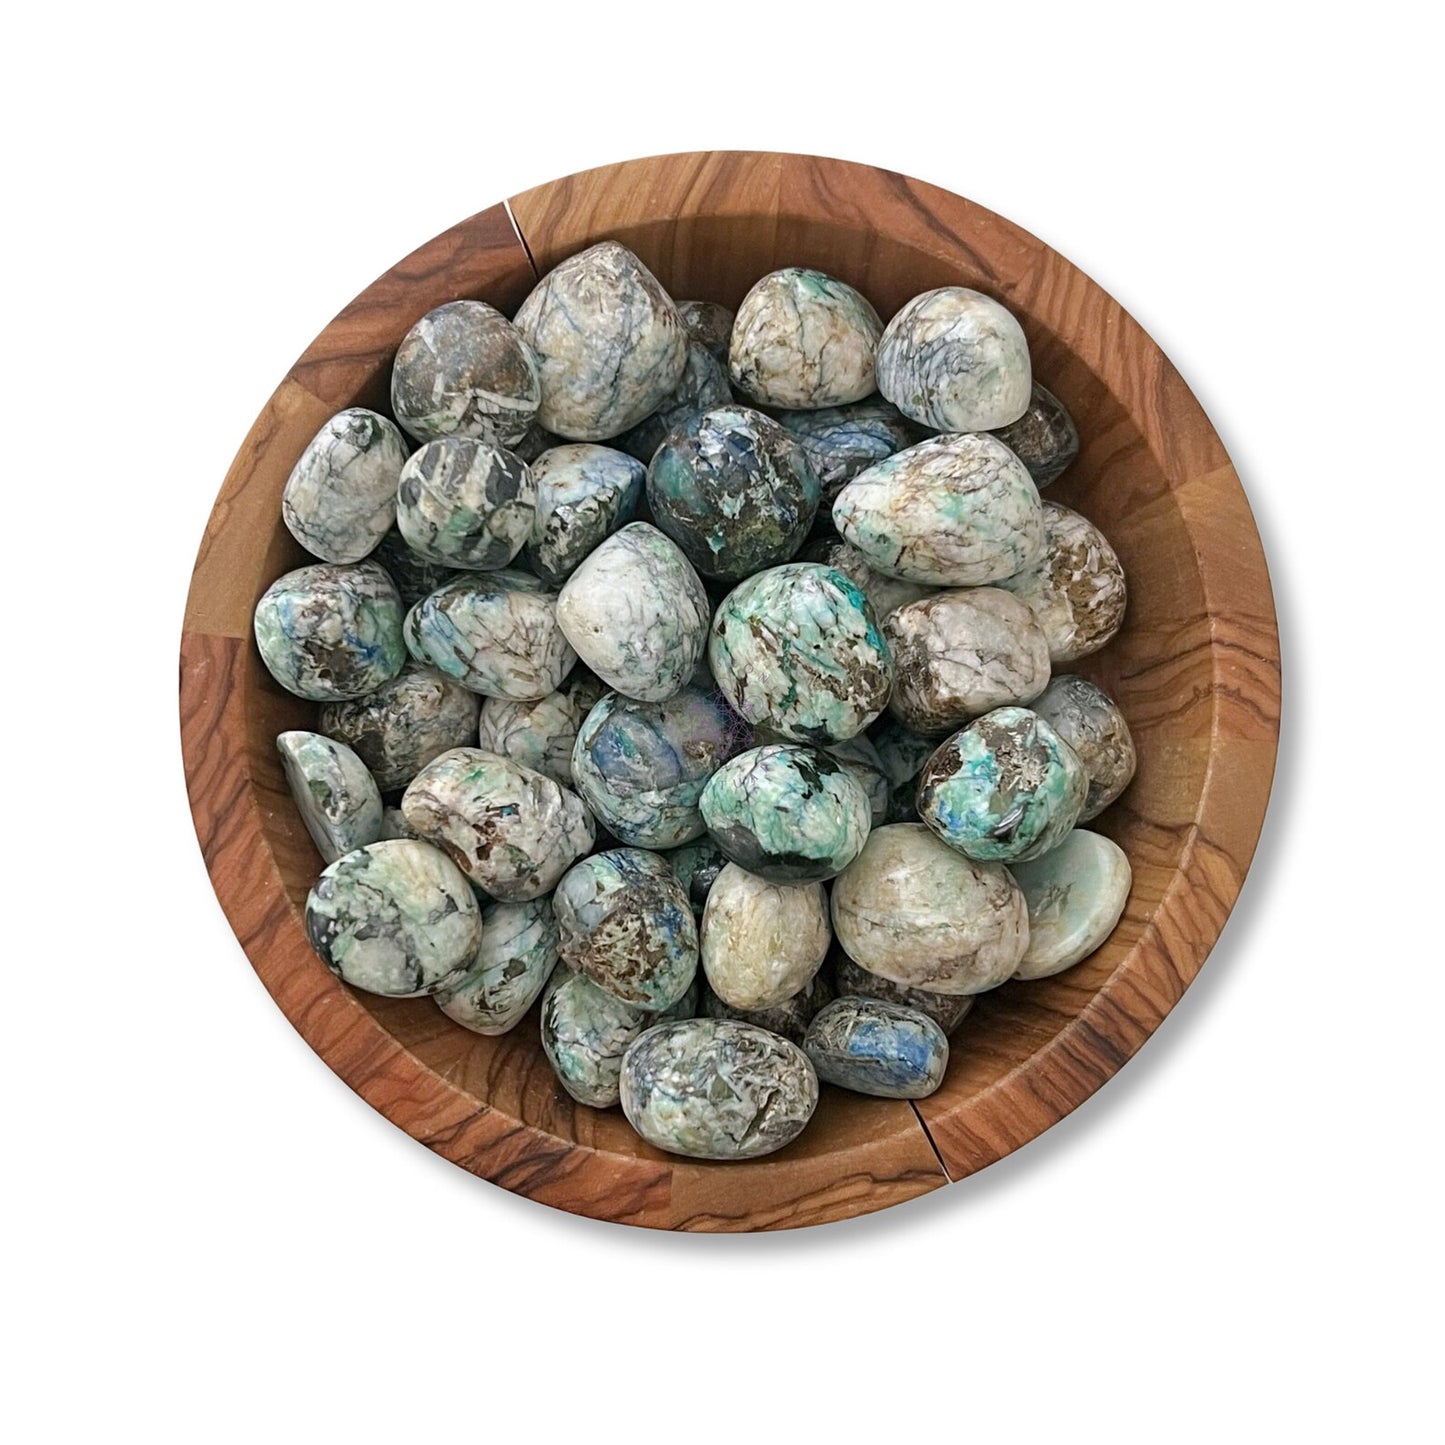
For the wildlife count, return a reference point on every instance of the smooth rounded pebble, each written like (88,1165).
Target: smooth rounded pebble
(395,918)
(790,1018)
(636,613)
(513,832)
(717,1089)
(947,1010)
(624,921)
(517,955)
(734,490)
(956,360)
(953,511)
(797,649)
(884,593)
(710,323)
(608,341)
(915,911)
(878,1048)
(803,338)
(335,795)
(1005,788)
(413,574)
(1044,438)
(466,504)
(842,441)
(331,631)
(398,729)
(697,866)
(539,734)
(340,498)
(961,653)
(1076,896)
(1076,589)
(1090,721)
(787,813)
(762,942)
(704,385)
(464,370)
(584,494)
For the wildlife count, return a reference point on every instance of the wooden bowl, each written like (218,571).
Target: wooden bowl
(1196,670)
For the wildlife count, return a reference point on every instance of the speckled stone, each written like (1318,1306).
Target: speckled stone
(394,825)
(624,921)
(804,339)
(860,758)
(466,504)
(464,370)
(884,593)
(1076,590)
(762,942)
(842,441)
(915,911)
(636,613)
(512,831)
(709,323)
(335,795)
(608,340)
(331,631)
(717,1089)
(340,498)
(874,1047)
(797,649)
(1090,721)
(787,813)
(1005,788)
(733,490)
(584,494)
(414,575)
(517,955)
(955,360)
(496,633)
(394,918)
(704,385)
(398,729)
(960,654)
(697,866)
(641,766)
(947,1010)
(953,511)
(790,1018)
(1044,438)
(539,734)
(1076,896)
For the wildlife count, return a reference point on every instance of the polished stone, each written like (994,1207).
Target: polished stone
(466,504)
(789,1018)
(710,323)
(585,493)
(762,942)
(539,734)
(1076,896)
(947,1010)
(512,965)
(874,1047)
(884,593)
(335,795)
(697,866)
(1090,721)
(842,441)
(1044,438)
(704,385)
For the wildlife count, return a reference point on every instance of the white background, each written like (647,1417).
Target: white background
(209,1238)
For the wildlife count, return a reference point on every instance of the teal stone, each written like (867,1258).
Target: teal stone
(624,921)
(797,649)
(331,631)
(947,1010)
(413,574)
(878,1048)
(584,494)
(466,504)
(517,955)
(1090,721)
(396,918)
(710,323)
(788,813)
(1076,895)
(704,385)
(697,866)
(790,1019)
(1044,438)
(733,490)
(641,766)
(842,441)
(717,1089)
(335,795)
(1005,788)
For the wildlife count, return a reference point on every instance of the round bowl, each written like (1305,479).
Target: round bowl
(1195,668)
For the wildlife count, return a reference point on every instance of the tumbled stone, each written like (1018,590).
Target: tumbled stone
(961,653)
(331,631)
(704,385)
(464,370)
(902,754)
(697,866)
(804,339)
(466,504)
(797,649)
(636,613)
(947,1010)
(956,360)
(1044,438)
(340,498)
(884,593)
(584,494)
(953,511)
(516,957)
(395,918)
(496,633)
(733,490)
(789,1018)
(413,574)
(709,323)
(1076,589)
(874,1047)
(913,910)
(762,942)
(717,1089)
(608,341)
(514,832)
(394,825)
(335,795)
(1005,788)
(539,734)
(1076,896)
(624,921)
(1090,721)
(842,441)
(398,729)
(860,758)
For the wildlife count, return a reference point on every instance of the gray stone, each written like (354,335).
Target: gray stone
(515,959)
(1090,721)
(878,1048)
(466,504)
(1044,438)
(947,1010)
(584,494)
(335,795)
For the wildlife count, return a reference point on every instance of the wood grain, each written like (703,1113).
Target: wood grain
(1196,669)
